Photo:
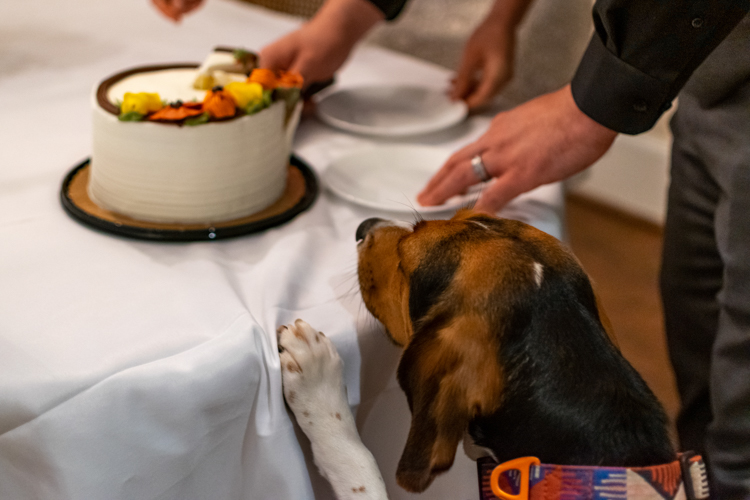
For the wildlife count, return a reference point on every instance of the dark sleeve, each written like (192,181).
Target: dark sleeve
(390,8)
(642,53)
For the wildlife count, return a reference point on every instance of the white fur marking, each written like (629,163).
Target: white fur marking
(538,273)
(399,223)
(474,451)
(311,372)
(480,224)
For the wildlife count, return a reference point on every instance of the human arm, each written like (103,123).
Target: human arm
(322,45)
(175,9)
(638,59)
(642,53)
(544,140)
(487,60)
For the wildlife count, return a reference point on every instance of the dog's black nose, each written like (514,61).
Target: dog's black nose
(365,227)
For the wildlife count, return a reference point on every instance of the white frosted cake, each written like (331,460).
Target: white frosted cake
(188,155)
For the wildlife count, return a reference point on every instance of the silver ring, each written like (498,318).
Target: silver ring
(479,169)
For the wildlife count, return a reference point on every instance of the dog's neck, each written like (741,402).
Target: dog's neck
(570,397)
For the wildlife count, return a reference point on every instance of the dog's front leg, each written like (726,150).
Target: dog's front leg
(311,371)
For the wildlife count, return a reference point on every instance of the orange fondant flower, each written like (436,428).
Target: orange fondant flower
(219,103)
(193,105)
(177,111)
(264,76)
(289,79)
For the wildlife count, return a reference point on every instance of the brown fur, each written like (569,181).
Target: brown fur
(450,369)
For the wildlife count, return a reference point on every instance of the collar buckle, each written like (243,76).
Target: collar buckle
(694,476)
(523,466)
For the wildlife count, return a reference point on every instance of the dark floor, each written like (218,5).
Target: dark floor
(621,254)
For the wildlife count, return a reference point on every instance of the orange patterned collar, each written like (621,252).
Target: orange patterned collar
(527,479)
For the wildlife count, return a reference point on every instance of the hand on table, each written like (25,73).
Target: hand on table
(486,65)
(175,9)
(545,140)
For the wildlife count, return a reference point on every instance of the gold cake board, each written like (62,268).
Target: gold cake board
(300,193)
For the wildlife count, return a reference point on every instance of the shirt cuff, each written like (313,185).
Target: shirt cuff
(390,8)
(615,94)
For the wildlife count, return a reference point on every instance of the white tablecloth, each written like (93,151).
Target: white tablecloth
(138,370)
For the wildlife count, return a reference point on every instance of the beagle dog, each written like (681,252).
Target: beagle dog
(504,341)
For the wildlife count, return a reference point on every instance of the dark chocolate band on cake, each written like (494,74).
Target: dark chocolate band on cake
(101,92)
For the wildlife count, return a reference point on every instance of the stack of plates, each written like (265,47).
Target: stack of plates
(390,111)
(389,177)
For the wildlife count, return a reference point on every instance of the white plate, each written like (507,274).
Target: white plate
(390,177)
(390,111)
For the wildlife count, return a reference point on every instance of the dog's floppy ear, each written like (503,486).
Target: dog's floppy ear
(449,374)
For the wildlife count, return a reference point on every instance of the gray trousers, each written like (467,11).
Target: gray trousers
(705,277)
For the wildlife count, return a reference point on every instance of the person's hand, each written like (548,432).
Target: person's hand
(175,9)
(486,65)
(322,45)
(545,140)
(314,53)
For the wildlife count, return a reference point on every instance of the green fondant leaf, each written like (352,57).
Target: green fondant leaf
(133,116)
(267,97)
(240,54)
(253,108)
(198,120)
(290,96)
(248,60)
(260,105)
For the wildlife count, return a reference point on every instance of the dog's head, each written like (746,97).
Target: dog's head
(451,292)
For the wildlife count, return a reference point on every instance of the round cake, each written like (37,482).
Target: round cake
(166,151)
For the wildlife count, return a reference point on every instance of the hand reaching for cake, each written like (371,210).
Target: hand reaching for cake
(175,9)
(322,45)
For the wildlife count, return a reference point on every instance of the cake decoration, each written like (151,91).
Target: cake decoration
(177,111)
(134,107)
(249,96)
(219,66)
(258,91)
(219,103)
(149,164)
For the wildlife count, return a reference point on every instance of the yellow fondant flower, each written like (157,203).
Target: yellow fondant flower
(142,102)
(245,93)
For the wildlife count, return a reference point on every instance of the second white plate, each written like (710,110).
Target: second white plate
(390,177)
(390,111)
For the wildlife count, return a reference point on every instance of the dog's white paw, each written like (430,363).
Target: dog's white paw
(311,371)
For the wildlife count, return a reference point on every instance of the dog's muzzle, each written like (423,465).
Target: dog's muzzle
(366,226)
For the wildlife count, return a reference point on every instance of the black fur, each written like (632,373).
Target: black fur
(570,398)
(432,278)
